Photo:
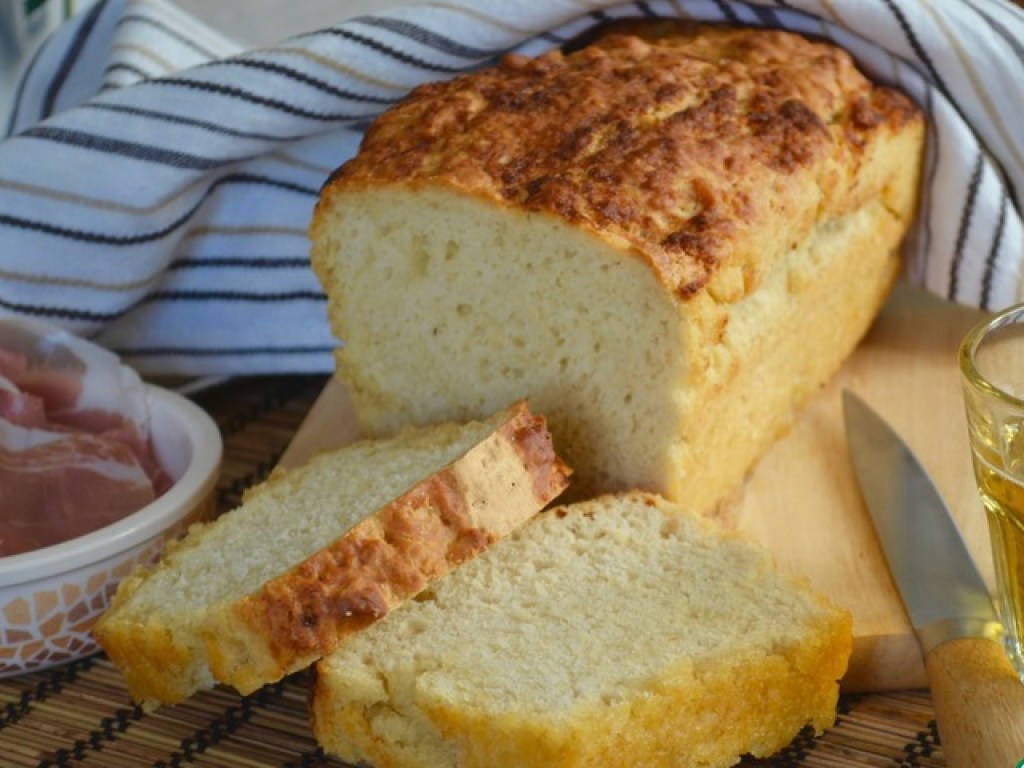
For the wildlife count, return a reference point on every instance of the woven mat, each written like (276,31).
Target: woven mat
(81,714)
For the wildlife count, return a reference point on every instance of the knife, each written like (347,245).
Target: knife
(977,695)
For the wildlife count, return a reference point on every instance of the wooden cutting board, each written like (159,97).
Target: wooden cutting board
(802,500)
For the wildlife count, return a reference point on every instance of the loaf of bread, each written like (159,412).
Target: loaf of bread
(318,553)
(620,631)
(667,240)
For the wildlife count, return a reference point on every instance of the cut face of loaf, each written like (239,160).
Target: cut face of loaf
(317,553)
(667,245)
(616,632)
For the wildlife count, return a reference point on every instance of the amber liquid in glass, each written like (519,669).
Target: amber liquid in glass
(1003,497)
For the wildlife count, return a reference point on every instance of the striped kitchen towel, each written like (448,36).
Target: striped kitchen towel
(157,182)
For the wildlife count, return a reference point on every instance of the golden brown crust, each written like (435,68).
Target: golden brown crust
(532,442)
(165,673)
(387,558)
(681,148)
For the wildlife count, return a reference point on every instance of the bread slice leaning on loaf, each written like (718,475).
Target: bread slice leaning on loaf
(667,240)
(620,631)
(319,552)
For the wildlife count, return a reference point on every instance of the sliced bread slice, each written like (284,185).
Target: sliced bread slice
(316,553)
(616,632)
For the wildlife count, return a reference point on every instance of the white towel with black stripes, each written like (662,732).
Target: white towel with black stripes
(156,183)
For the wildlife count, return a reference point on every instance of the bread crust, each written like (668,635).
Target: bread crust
(156,668)
(443,521)
(680,144)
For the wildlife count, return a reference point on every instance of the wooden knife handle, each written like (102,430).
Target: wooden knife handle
(979,704)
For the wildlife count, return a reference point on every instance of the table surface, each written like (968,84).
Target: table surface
(81,714)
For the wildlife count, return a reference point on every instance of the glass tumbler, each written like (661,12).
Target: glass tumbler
(991,360)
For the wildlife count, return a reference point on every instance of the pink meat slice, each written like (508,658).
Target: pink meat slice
(75,453)
(56,486)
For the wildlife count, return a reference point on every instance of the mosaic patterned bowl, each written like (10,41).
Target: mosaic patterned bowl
(51,597)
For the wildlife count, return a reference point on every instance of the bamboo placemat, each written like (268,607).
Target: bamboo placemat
(81,715)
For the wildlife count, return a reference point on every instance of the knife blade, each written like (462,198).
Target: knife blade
(978,697)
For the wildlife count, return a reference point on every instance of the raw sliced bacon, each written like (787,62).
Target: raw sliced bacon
(64,484)
(21,408)
(74,438)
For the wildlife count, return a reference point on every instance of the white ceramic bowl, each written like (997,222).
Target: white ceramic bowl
(51,597)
